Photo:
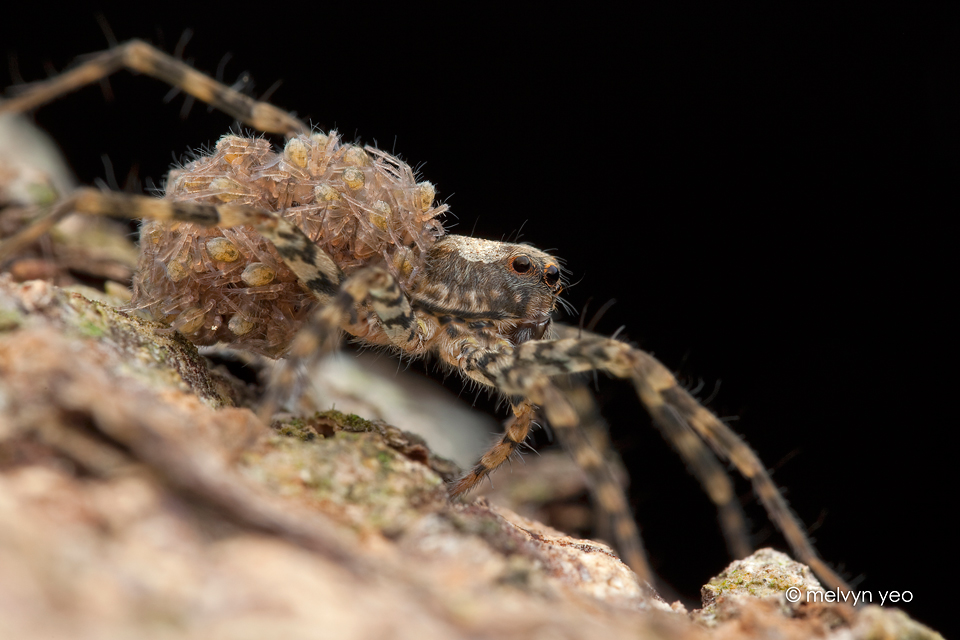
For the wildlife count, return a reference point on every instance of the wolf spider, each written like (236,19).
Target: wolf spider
(352,227)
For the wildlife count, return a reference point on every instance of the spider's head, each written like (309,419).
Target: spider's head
(511,286)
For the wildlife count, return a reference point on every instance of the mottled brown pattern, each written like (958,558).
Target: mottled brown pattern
(387,220)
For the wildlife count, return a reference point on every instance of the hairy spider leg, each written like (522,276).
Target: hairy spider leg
(699,459)
(138,56)
(321,334)
(526,370)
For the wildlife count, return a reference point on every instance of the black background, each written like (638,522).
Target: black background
(768,193)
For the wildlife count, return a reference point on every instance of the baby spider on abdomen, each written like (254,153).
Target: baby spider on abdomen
(358,205)
(278,251)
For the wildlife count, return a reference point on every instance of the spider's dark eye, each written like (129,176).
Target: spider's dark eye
(551,275)
(521,264)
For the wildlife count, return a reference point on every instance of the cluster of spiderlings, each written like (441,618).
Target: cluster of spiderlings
(361,205)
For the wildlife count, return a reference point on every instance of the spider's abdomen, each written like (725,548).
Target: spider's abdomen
(359,205)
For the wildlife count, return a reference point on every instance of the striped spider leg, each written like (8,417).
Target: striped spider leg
(360,235)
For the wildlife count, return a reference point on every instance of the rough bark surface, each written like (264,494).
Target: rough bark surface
(139,497)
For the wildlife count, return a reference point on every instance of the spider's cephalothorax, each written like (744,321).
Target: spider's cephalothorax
(497,293)
(278,252)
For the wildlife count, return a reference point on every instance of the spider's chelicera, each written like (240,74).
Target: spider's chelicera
(278,251)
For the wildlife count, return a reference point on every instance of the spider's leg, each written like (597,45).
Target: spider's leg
(141,57)
(501,369)
(320,336)
(318,272)
(677,405)
(582,442)
(525,371)
(701,462)
(516,432)
(596,432)
(607,491)
(711,475)
(47,219)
